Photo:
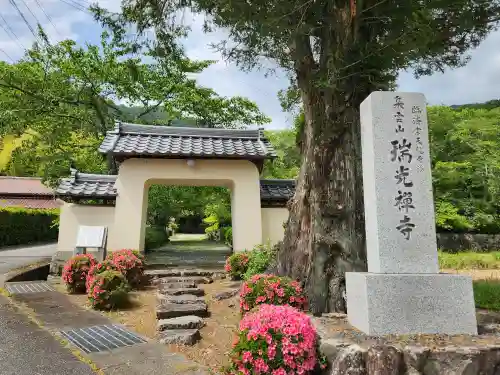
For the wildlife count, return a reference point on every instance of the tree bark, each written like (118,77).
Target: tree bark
(325,235)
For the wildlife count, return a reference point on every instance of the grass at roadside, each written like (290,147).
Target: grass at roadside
(487,294)
(469,260)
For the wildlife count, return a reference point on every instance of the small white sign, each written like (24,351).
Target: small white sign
(91,237)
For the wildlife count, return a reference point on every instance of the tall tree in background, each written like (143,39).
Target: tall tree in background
(336,52)
(63,98)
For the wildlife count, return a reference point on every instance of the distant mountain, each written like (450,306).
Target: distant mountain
(490,104)
(156,117)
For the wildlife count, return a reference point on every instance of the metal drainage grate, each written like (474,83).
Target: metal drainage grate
(101,338)
(28,287)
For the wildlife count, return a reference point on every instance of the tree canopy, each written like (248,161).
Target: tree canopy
(62,99)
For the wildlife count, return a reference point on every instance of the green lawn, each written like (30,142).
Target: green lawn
(487,294)
(469,260)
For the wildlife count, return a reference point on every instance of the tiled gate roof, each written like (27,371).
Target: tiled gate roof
(85,185)
(183,142)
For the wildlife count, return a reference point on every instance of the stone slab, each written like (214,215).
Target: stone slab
(384,304)
(182,299)
(174,310)
(181,291)
(397,184)
(187,280)
(181,322)
(179,336)
(226,294)
(181,272)
(165,284)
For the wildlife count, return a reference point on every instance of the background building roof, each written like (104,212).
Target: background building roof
(276,190)
(23,186)
(27,192)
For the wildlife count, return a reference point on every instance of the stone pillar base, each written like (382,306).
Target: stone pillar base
(384,304)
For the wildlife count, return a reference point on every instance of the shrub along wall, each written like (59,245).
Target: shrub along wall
(454,242)
(24,226)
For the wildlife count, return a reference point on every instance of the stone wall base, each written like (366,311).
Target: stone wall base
(385,304)
(350,352)
(59,258)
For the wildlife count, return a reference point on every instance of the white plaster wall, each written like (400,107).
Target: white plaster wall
(272,224)
(73,215)
(136,175)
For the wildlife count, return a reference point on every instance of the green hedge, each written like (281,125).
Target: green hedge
(155,237)
(24,226)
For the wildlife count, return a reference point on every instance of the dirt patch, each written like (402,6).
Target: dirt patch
(476,274)
(217,335)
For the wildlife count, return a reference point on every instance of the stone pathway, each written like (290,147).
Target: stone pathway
(187,251)
(181,303)
(56,314)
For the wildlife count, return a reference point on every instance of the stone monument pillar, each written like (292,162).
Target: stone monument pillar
(403,291)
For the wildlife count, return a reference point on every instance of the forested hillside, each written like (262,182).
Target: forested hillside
(57,103)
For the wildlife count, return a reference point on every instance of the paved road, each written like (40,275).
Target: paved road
(21,256)
(25,348)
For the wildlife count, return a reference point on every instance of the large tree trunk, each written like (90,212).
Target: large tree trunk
(325,236)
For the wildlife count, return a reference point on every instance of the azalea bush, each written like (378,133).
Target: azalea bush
(99,268)
(130,263)
(271,289)
(107,290)
(237,265)
(277,340)
(75,272)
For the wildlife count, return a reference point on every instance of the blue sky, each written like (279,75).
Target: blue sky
(478,81)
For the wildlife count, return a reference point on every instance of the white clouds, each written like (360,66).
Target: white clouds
(478,81)
(227,80)
(68,20)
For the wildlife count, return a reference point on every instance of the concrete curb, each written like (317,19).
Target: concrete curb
(17,271)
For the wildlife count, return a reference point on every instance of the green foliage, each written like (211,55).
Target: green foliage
(165,202)
(23,226)
(155,237)
(469,260)
(287,163)
(466,168)
(487,294)
(212,228)
(236,265)
(260,258)
(228,235)
(63,95)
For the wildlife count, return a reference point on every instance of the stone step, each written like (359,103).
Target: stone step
(182,299)
(186,280)
(183,272)
(226,294)
(169,263)
(174,310)
(161,283)
(180,336)
(181,322)
(166,289)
